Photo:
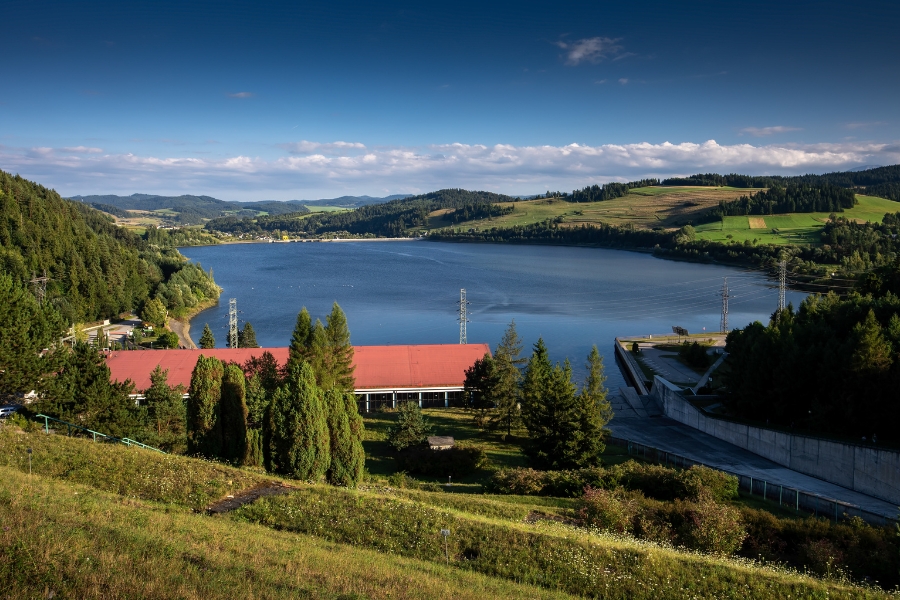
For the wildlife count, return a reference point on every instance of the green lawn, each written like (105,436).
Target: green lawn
(796,228)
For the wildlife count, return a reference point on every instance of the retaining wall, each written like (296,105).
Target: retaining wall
(871,471)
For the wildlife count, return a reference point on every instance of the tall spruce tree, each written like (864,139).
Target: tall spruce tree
(233,415)
(247,337)
(346,449)
(339,354)
(204,426)
(554,440)
(535,383)
(300,445)
(166,413)
(300,339)
(508,361)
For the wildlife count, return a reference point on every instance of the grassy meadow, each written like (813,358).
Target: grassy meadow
(98,520)
(645,208)
(795,228)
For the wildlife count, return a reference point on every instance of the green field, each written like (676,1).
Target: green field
(317,208)
(645,208)
(796,228)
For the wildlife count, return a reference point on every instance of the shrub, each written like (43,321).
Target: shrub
(518,481)
(411,429)
(710,527)
(694,354)
(456,461)
(699,479)
(606,510)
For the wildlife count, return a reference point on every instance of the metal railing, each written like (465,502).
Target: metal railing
(95,434)
(788,497)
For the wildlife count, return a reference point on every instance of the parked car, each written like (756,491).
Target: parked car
(7,411)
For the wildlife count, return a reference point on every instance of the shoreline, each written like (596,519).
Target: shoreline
(183,327)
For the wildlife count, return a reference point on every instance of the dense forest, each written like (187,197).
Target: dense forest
(390,219)
(95,268)
(483,210)
(789,199)
(881,181)
(832,366)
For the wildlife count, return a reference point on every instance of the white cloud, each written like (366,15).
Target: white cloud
(864,124)
(82,150)
(309,172)
(593,50)
(623,81)
(767,131)
(241,95)
(306,147)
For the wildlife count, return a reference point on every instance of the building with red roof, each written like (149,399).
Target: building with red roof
(432,374)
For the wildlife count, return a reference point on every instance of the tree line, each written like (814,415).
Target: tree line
(565,427)
(880,181)
(789,199)
(832,366)
(95,268)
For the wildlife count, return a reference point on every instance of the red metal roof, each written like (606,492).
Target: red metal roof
(377,367)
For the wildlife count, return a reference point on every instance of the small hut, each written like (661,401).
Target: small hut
(440,442)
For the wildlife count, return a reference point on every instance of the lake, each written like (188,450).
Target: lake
(407,293)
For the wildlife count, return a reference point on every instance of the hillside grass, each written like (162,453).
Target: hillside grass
(100,520)
(66,540)
(645,208)
(794,228)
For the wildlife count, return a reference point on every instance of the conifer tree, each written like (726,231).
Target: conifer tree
(247,337)
(554,438)
(339,353)
(233,415)
(412,427)
(535,384)
(317,354)
(300,339)
(357,462)
(26,328)
(299,441)
(166,413)
(204,426)
(508,377)
(480,388)
(346,448)
(207,341)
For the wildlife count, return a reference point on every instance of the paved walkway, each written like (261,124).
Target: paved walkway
(672,436)
(667,368)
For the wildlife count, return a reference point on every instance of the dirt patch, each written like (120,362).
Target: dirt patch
(534,517)
(183,330)
(230,503)
(757,223)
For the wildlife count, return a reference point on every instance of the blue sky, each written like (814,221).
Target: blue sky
(252,101)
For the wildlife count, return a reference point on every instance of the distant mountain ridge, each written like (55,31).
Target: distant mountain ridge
(192,209)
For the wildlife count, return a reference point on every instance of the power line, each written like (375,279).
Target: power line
(782,277)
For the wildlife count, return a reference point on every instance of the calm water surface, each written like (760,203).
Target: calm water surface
(407,293)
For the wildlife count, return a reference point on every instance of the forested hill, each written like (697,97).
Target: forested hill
(187,209)
(880,181)
(96,269)
(389,219)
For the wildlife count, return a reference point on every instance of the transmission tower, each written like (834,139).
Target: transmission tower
(782,283)
(40,286)
(463,315)
(232,323)
(725,297)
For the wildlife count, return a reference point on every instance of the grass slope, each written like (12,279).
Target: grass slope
(99,520)
(645,208)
